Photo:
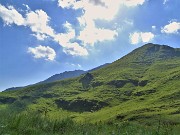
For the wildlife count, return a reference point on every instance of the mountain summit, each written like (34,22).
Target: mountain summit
(140,86)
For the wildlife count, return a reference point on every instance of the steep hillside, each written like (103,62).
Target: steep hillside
(143,86)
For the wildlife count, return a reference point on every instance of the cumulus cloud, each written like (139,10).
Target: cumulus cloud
(141,37)
(89,33)
(10,15)
(93,10)
(66,3)
(97,10)
(40,36)
(42,52)
(75,49)
(97,2)
(133,2)
(93,35)
(172,28)
(38,22)
(70,47)
(106,3)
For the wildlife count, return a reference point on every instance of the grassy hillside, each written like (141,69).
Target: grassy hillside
(143,87)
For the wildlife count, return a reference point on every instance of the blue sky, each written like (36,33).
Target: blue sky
(45,37)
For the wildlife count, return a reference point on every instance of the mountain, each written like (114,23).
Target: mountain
(13,88)
(99,67)
(62,76)
(70,74)
(142,87)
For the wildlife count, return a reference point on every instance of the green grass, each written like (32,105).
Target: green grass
(36,124)
(141,89)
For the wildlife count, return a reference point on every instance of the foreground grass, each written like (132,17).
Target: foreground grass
(35,124)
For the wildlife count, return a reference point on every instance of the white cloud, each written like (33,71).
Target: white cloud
(133,2)
(135,38)
(165,1)
(103,3)
(89,33)
(27,7)
(9,15)
(94,10)
(97,2)
(147,36)
(75,49)
(69,47)
(42,52)
(38,22)
(153,27)
(171,28)
(66,3)
(82,21)
(40,36)
(79,65)
(43,30)
(92,35)
(74,65)
(138,37)
(129,22)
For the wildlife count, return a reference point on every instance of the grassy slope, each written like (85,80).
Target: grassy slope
(151,90)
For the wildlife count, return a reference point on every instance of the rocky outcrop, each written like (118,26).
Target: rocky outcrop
(86,80)
(118,83)
(80,105)
(121,83)
(143,83)
(146,92)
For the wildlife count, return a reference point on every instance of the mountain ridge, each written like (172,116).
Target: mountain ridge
(61,76)
(140,86)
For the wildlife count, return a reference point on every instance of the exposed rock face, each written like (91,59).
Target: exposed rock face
(121,83)
(86,80)
(147,92)
(7,100)
(96,84)
(139,93)
(80,105)
(143,83)
(118,83)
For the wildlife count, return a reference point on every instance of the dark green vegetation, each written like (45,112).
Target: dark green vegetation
(137,94)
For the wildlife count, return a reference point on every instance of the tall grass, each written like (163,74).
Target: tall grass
(13,123)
